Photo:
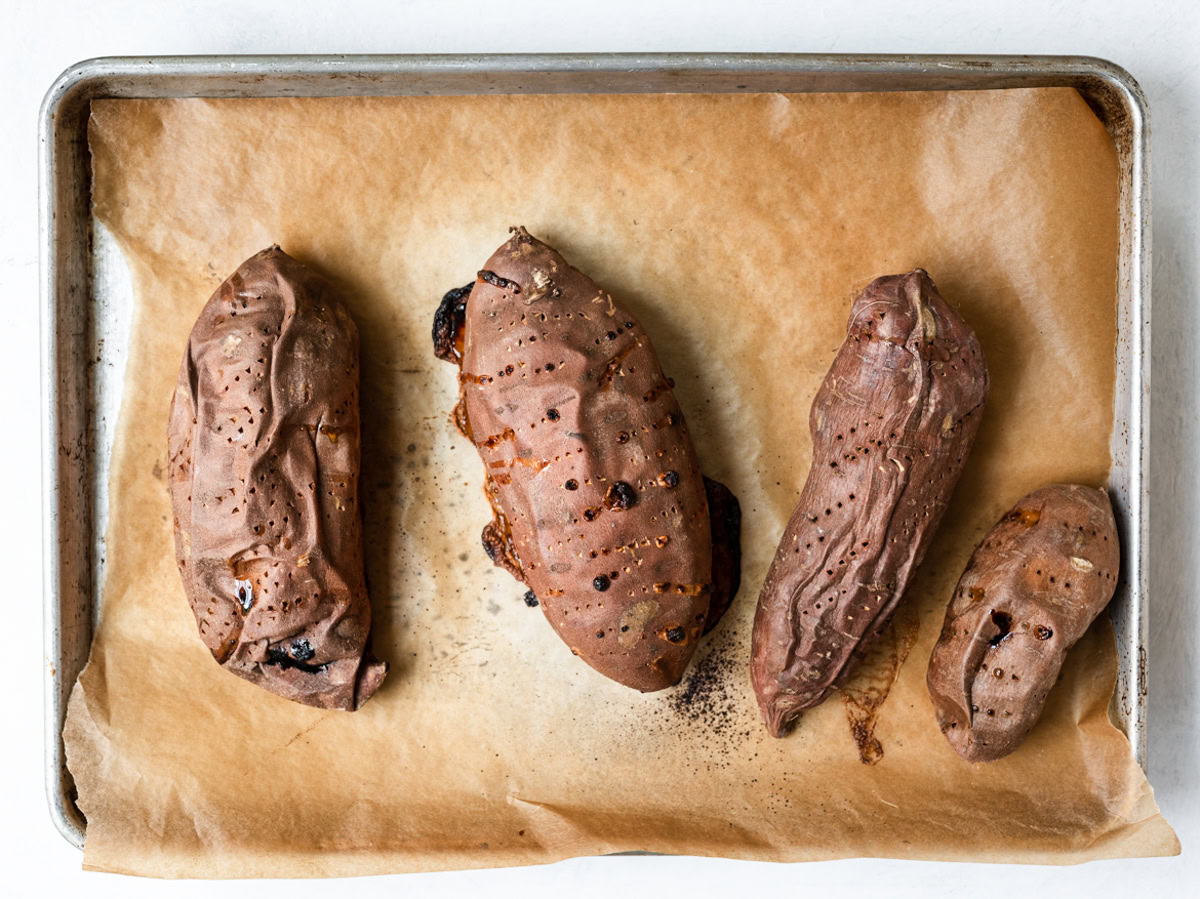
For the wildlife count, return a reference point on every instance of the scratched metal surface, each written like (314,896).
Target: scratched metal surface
(87,299)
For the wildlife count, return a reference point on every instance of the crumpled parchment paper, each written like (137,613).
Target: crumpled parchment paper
(739,228)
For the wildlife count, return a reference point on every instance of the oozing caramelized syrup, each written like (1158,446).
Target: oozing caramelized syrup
(449,341)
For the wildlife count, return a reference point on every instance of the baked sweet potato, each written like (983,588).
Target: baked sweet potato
(599,503)
(891,426)
(1031,589)
(264,461)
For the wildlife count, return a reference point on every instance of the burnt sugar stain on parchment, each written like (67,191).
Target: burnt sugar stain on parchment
(711,709)
(706,698)
(864,694)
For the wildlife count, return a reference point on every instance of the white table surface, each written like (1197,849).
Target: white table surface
(1159,42)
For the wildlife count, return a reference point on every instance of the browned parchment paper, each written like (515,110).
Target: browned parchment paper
(739,228)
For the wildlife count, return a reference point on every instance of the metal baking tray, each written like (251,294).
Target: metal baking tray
(87,301)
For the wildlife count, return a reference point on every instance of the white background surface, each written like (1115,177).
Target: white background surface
(1159,42)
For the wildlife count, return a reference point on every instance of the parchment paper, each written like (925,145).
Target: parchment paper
(739,228)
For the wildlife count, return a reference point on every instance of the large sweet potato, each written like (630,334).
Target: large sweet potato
(891,428)
(1032,587)
(264,457)
(599,503)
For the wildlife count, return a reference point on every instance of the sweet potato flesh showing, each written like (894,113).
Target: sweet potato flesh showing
(264,461)
(891,427)
(1032,587)
(599,505)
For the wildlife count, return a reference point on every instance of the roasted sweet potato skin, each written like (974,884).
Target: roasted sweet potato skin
(1031,589)
(263,443)
(891,426)
(600,506)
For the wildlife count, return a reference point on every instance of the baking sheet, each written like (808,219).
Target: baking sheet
(738,227)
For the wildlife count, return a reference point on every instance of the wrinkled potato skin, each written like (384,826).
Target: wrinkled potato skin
(1031,589)
(892,425)
(263,444)
(561,386)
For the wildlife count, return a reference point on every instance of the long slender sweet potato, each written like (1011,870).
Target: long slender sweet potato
(891,428)
(264,457)
(1032,587)
(599,503)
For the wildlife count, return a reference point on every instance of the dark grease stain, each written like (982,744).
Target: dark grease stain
(280,657)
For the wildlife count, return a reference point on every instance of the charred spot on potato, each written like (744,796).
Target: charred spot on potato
(495,280)
(600,582)
(530,599)
(1042,632)
(675,634)
(448,324)
(619,497)
(552,414)
(497,543)
(571,484)
(279,657)
(1003,622)
(302,650)
(669,479)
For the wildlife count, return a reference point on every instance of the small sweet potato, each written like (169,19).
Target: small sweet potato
(891,426)
(599,504)
(1031,589)
(264,459)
